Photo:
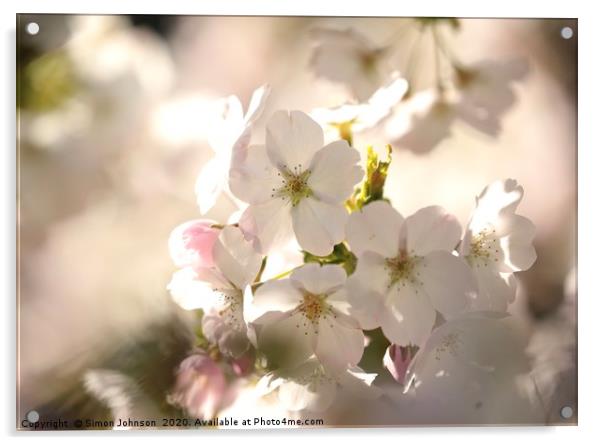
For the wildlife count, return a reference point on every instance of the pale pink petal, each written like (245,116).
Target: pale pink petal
(335,172)
(273,296)
(448,282)
(191,243)
(319,279)
(377,227)
(430,229)
(253,178)
(268,224)
(236,258)
(411,317)
(496,290)
(212,180)
(338,346)
(292,139)
(318,225)
(289,341)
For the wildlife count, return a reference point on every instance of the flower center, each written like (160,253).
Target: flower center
(294,185)
(231,311)
(314,306)
(483,247)
(402,269)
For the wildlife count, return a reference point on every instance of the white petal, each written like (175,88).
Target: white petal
(273,296)
(257,104)
(377,228)
(421,122)
(518,245)
(211,182)
(430,229)
(293,139)
(236,258)
(190,292)
(411,316)
(289,341)
(338,346)
(496,290)
(269,224)
(448,282)
(366,289)
(316,395)
(334,172)
(253,178)
(501,198)
(318,225)
(319,279)
(359,383)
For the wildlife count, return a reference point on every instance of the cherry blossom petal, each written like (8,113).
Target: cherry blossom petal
(411,316)
(318,225)
(211,181)
(359,383)
(273,296)
(496,290)
(518,245)
(253,178)
(377,227)
(191,243)
(448,282)
(334,172)
(366,289)
(500,198)
(430,229)
(338,346)
(289,341)
(190,292)
(257,104)
(292,139)
(319,279)
(315,395)
(236,258)
(348,57)
(269,224)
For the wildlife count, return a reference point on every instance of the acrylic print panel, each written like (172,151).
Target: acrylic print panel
(282,222)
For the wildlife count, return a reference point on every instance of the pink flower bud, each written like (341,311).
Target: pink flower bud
(397,359)
(191,243)
(200,387)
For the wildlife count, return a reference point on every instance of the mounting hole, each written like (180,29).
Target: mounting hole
(566,33)
(33,416)
(32,28)
(566,412)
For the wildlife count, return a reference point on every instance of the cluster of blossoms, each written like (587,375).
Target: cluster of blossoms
(430,287)
(474,94)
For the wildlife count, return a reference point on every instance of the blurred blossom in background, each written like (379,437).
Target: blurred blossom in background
(115,115)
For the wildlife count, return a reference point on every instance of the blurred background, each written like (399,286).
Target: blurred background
(112,125)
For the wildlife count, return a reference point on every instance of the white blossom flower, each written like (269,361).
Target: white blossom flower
(304,315)
(469,371)
(229,134)
(218,290)
(312,387)
(406,271)
(481,95)
(358,117)
(420,122)
(497,243)
(347,57)
(295,186)
(486,92)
